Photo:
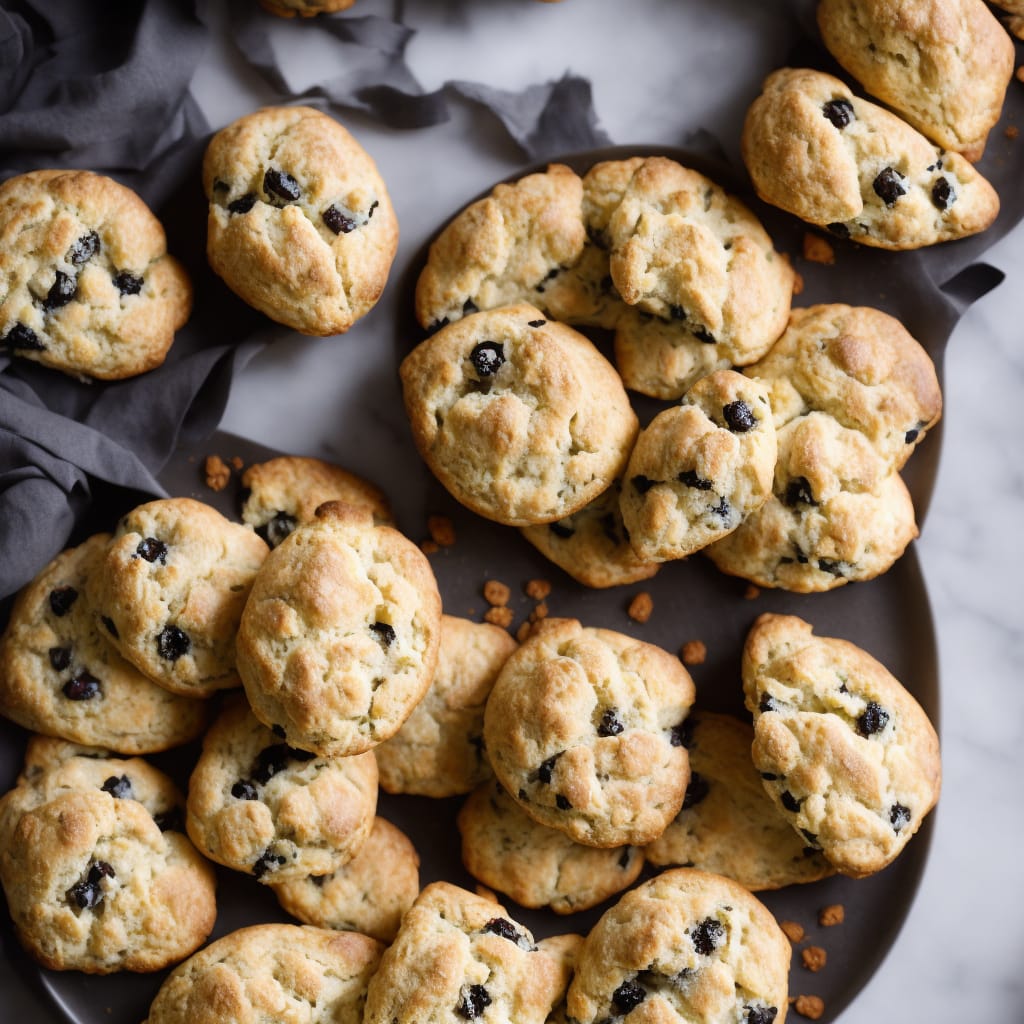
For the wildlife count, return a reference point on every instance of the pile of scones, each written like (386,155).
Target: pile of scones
(307,646)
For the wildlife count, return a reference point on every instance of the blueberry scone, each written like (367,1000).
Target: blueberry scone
(438,752)
(728,825)
(844,751)
(943,65)
(369,894)
(169,592)
(286,491)
(257,805)
(300,225)
(521,418)
(583,728)
(280,972)
(60,676)
(817,151)
(94,882)
(304,8)
(592,545)
(700,468)
(537,866)
(459,957)
(86,284)
(685,947)
(338,641)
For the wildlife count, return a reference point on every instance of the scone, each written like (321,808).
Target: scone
(339,637)
(592,545)
(300,225)
(844,750)
(438,752)
(583,728)
(700,468)
(169,591)
(728,825)
(537,866)
(286,491)
(521,418)
(86,284)
(685,946)
(257,805)
(92,881)
(60,676)
(304,8)
(943,65)
(369,894)
(268,970)
(817,151)
(458,957)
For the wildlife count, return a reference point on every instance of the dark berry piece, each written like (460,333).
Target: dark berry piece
(23,338)
(120,787)
(628,996)
(61,600)
(273,759)
(281,185)
(626,857)
(244,204)
(768,703)
(912,435)
(832,566)
(899,817)
(760,1014)
(221,186)
(84,249)
(152,549)
(562,803)
(611,724)
(61,292)
(889,185)
(701,333)
(267,861)
(473,1000)
(60,658)
(544,772)
(943,194)
(811,838)
(170,821)
(172,643)
(789,801)
(708,936)
(873,719)
(487,358)
(340,223)
(535,323)
(275,530)
(128,283)
(677,312)
(769,776)
(723,510)
(695,791)
(642,484)
(681,735)
(88,893)
(507,930)
(690,478)
(561,530)
(385,633)
(83,686)
(839,112)
(739,417)
(373,206)
(111,628)
(244,790)
(278,730)
(798,492)
(839,229)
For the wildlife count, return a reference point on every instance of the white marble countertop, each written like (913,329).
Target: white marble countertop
(958,956)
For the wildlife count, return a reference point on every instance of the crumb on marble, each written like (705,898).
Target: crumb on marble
(811,1007)
(693,652)
(499,616)
(1020,73)
(237,463)
(1011,131)
(537,589)
(813,958)
(441,530)
(751,593)
(641,607)
(833,914)
(524,631)
(429,547)
(817,249)
(496,593)
(794,931)
(798,283)
(539,612)
(216,472)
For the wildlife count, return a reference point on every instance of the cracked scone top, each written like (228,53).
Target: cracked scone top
(583,728)
(60,676)
(816,150)
(700,468)
(687,947)
(257,805)
(459,957)
(281,972)
(87,284)
(847,754)
(944,65)
(521,418)
(300,225)
(97,877)
(339,638)
(170,590)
